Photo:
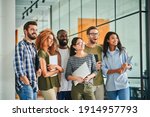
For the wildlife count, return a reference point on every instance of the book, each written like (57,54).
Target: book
(53,60)
(82,71)
(128,61)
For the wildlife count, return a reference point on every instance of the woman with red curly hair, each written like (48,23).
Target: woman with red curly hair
(45,40)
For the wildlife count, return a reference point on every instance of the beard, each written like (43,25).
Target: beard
(93,41)
(32,36)
(63,42)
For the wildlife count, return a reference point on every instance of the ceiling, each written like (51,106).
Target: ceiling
(23,5)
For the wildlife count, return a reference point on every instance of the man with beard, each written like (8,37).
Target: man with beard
(93,48)
(26,64)
(65,87)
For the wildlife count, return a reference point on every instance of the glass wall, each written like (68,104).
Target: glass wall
(126,7)
(105,10)
(88,13)
(129,36)
(64,14)
(75,15)
(55,18)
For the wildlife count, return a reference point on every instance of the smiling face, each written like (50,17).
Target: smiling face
(80,45)
(48,41)
(93,36)
(113,40)
(31,32)
(62,38)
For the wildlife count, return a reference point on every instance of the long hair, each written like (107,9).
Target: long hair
(44,35)
(73,43)
(106,44)
(53,49)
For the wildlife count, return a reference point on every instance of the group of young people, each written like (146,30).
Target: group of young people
(48,66)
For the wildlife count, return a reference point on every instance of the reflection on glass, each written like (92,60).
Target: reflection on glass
(75,16)
(125,7)
(105,10)
(129,36)
(55,18)
(64,14)
(88,14)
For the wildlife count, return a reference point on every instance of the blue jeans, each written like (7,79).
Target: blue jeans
(64,95)
(27,93)
(122,94)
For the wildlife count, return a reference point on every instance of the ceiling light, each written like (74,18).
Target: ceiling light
(27,13)
(31,10)
(23,16)
(36,5)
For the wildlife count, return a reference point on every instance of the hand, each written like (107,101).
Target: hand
(80,80)
(38,73)
(129,67)
(87,79)
(51,67)
(98,65)
(124,66)
(25,80)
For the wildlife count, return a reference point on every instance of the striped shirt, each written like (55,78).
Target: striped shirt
(24,64)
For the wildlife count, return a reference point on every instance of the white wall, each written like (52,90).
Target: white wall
(7,46)
(0,45)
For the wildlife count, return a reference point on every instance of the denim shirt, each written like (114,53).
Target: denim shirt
(115,60)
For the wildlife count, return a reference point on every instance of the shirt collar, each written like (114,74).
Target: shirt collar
(28,43)
(116,49)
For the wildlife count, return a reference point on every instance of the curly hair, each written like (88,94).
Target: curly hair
(44,35)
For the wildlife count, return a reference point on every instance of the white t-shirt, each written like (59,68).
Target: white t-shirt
(65,85)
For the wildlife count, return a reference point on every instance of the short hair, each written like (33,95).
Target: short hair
(62,30)
(26,26)
(90,28)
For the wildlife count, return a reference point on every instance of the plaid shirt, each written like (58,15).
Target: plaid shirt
(24,64)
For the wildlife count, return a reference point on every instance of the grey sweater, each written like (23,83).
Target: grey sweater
(75,62)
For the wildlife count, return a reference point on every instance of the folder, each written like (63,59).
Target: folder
(82,71)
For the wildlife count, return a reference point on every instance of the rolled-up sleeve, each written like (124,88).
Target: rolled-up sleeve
(104,66)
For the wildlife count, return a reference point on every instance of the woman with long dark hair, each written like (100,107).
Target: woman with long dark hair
(84,88)
(114,65)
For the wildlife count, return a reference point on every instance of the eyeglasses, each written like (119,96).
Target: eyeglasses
(94,34)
